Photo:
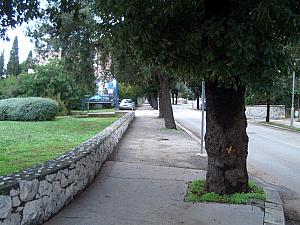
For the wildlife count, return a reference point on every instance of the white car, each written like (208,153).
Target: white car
(127,104)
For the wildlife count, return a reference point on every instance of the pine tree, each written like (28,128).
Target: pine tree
(27,64)
(29,60)
(13,63)
(2,65)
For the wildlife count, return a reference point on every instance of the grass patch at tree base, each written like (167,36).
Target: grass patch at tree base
(196,193)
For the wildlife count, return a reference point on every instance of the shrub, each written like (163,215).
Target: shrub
(28,109)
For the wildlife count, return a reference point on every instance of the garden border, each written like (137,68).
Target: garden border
(34,195)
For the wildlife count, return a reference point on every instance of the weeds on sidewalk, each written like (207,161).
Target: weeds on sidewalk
(171,130)
(196,193)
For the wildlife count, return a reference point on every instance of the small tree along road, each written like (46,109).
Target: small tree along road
(229,44)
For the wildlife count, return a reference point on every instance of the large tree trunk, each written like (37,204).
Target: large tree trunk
(226,140)
(160,107)
(166,101)
(154,101)
(268,107)
(173,100)
(149,100)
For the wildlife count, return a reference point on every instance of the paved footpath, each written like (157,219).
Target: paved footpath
(145,181)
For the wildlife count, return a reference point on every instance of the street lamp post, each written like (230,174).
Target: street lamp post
(202,121)
(117,96)
(293,93)
(193,101)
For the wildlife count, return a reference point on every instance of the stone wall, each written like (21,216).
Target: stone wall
(260,111)
(35,194)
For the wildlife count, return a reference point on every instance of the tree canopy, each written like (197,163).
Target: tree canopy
(226,41)
(15,12)
(68,30)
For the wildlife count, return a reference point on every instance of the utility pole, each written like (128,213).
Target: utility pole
(293,93)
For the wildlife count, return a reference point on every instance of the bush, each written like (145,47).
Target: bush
(28,109)
(51,80)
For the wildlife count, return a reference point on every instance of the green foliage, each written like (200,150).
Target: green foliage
(28,109)
(13,68)
(130,91)
(69,29)
(24,144)
(235,43)
(51,81)
(197,193)
(29,63)
(15,12)
(183,89)
(130,70)
(2,65)
(280,92)
(7,87)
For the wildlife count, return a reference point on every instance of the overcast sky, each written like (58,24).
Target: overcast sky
(24,43)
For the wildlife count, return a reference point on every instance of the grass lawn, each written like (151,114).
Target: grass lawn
(282,125)
(197,193)
(23,144)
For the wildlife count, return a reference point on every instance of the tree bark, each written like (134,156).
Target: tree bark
(268,107)
(149,100)
(173,100)
(166,101)
(160,115)
(226,140)
(154,101)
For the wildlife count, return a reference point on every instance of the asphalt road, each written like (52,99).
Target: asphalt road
(273,158)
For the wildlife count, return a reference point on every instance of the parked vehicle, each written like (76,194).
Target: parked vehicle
(127,104)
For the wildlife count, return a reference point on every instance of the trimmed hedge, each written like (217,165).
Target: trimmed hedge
(28,109)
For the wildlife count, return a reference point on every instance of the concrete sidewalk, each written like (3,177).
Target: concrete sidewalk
(145,181)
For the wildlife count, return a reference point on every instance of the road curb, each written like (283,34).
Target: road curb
(193,136)
(274,214)
(274,126)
